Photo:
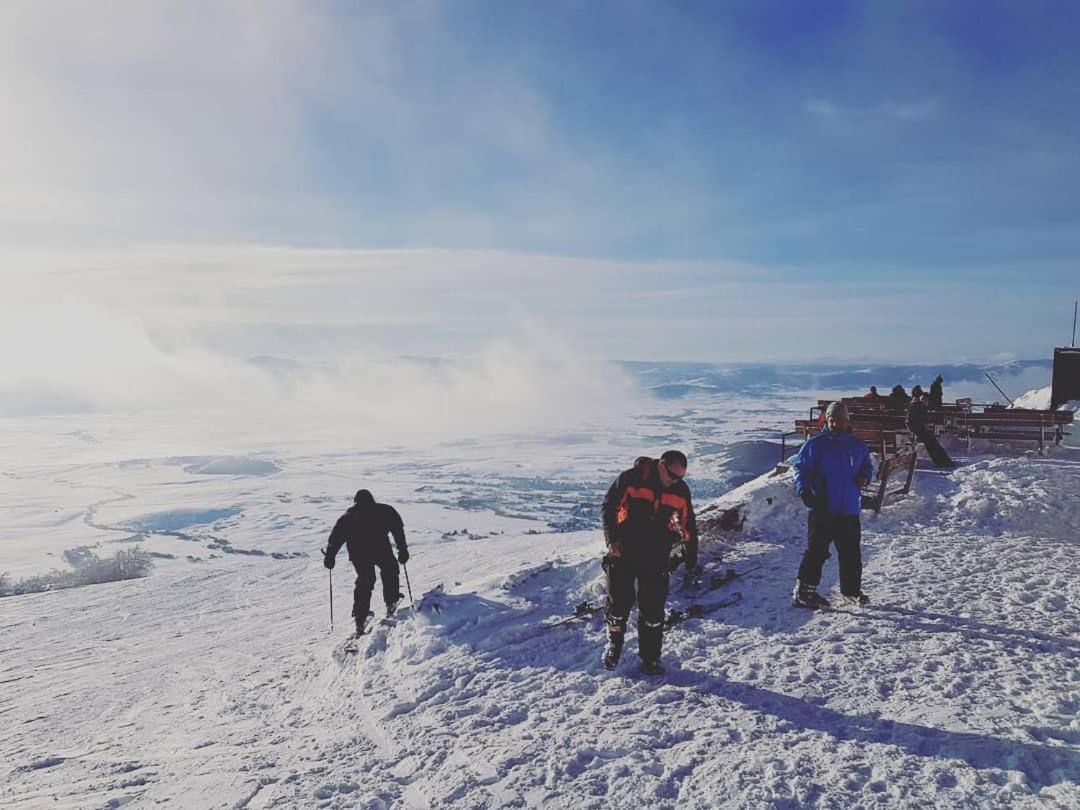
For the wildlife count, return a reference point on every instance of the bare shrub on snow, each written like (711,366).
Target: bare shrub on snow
(92,570)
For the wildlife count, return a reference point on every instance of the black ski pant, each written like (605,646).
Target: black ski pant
(937,453)
(365,583)
(643,581)
(822,530)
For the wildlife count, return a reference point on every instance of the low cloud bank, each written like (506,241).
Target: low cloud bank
(79,357)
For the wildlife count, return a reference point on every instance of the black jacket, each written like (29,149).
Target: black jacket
(645,519)
(917,417)
(937,394)
(364,529)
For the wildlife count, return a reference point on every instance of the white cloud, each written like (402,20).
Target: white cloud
(173,330)
(194,309)
(73,356)
(912,111)
(123,115)
(288,121)
(822,107)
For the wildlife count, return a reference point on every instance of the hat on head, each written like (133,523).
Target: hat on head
(674,457)
(837,410)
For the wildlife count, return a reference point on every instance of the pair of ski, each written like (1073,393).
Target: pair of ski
(429,602)
(351,645)
(717,580)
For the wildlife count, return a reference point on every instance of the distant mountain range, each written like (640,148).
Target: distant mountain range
(674,380)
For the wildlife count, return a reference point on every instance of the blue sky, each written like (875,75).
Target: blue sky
(784,180)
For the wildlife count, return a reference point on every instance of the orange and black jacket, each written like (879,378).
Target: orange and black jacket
(645,519)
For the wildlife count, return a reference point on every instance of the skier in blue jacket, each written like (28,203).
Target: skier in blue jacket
(830,471)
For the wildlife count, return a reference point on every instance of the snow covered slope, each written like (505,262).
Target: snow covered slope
(1038,398)
(214,684)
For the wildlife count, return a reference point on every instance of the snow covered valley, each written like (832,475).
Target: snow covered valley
(214,682)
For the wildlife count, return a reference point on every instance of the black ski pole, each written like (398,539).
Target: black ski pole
(408,587)
(330,571)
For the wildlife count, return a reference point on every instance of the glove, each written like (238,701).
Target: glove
(329,560)
(403,555)
(809,498)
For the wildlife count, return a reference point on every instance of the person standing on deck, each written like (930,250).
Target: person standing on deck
(937,393)
(918,422)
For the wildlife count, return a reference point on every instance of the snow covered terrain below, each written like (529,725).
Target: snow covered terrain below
(215,683)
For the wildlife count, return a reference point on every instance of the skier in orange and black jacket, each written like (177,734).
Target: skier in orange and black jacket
(650,529)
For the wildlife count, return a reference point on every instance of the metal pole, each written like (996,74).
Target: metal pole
(330,572)
(1075,305)
(991,379)
(408,587)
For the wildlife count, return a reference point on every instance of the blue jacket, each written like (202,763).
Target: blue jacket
(827,466)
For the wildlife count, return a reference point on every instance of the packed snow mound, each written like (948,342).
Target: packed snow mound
(233,465)
(1007,496)
(1004,495)
(1037,398)
(767,504)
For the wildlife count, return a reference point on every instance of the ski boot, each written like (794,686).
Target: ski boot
(361,623)
(807,596)
(612,652)
(391,607)
(352,643)
(860,599)
(652,666)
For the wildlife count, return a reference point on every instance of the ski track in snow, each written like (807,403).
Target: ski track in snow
(219,686)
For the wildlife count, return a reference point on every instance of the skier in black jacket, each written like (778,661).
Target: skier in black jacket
(918,423)
(937,392)
(363,529)
(649,530)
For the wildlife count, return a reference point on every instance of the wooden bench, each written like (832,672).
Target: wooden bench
(1012,424)
(866,408)
(902,463)
(962,419)
(880,438)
